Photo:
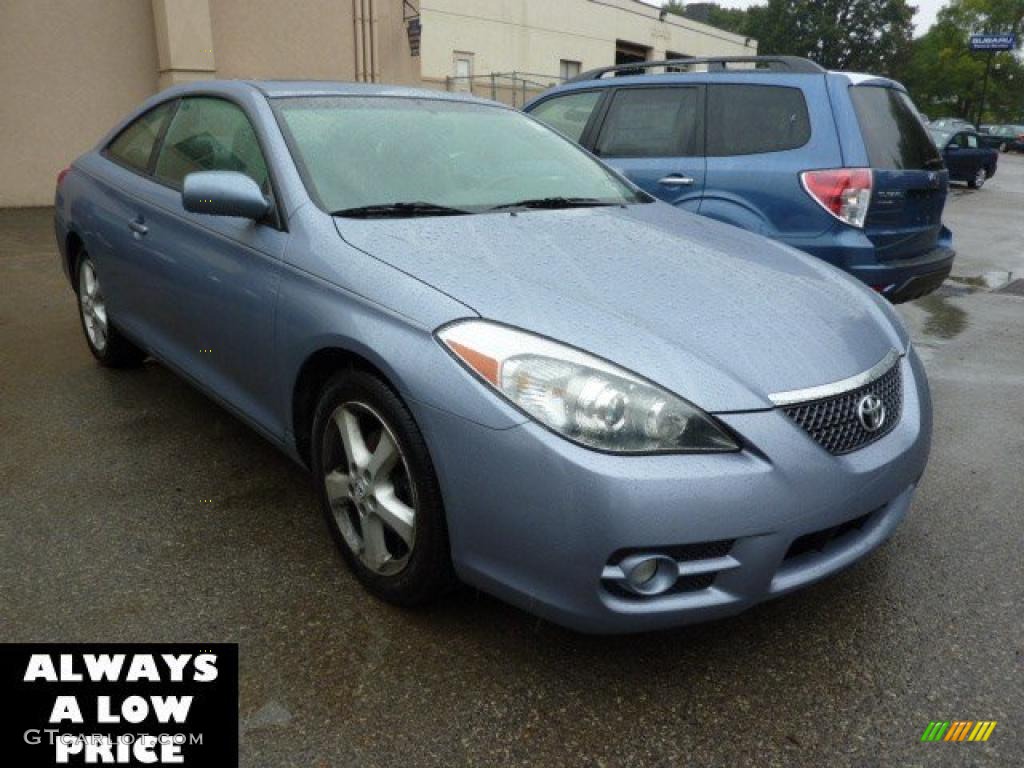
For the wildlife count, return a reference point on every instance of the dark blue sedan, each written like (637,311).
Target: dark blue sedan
(966,157)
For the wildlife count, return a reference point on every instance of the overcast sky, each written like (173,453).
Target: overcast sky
(926,9)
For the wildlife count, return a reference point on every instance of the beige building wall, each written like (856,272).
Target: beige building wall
(68,70)
(533,36)
(312,39)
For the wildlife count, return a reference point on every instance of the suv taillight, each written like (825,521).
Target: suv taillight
(62,174)
(844,192)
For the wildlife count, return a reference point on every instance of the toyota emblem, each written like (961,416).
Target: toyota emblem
(871,413)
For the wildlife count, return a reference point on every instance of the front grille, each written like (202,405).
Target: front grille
(819,540)
(833,422)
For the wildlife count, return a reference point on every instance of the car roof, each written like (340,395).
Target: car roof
(732,76)
(275,89)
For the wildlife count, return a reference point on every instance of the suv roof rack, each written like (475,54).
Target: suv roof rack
(791,64)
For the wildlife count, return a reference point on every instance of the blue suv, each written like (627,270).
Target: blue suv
(836,164)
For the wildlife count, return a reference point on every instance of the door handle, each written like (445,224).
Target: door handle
(138,227)
(677,181)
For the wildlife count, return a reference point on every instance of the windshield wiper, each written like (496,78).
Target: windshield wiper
(554,203)
(399,210)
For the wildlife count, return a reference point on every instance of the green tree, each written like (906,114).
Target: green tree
(736,20)
(945,77)
(861,35)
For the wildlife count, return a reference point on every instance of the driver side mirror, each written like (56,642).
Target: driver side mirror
(224,193)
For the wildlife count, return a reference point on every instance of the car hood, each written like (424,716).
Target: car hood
(715,314)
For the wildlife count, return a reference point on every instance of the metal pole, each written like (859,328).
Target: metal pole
(494,88)
(984,88)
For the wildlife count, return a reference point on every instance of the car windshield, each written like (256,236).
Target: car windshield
(941,138)
(386,156)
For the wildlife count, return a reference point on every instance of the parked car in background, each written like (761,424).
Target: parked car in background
(966,158)
(837,165)
(952,124)
(498,359)
(1004,138)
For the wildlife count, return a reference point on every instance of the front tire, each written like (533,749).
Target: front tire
(378,490)
(105,342)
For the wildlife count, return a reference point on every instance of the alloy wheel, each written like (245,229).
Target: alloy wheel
(980,178)
(369,488)
(93,306)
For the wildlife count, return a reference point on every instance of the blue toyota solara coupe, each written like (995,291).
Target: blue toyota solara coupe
(500,361)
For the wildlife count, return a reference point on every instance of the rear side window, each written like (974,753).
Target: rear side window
(753,119)
(134,145)
(568,114)
(651,122)
(894,135)
(209,134)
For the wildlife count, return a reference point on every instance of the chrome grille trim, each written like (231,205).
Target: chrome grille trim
(833,422)
(823,391)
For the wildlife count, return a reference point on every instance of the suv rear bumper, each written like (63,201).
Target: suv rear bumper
(909,279)
(899,280)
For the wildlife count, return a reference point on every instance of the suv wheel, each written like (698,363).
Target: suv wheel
(378,490)
(105,342)
(979,179)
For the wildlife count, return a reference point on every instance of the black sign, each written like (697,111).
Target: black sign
(119,704)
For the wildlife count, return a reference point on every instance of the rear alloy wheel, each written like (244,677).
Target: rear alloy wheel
(378,490)
(979,179)
(105,342)
(1003,147)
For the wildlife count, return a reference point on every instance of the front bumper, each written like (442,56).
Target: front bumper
(536,520)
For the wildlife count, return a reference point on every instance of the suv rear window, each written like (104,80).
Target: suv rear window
(894,135)
(753,119)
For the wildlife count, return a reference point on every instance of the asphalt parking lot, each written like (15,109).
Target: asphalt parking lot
(134,509)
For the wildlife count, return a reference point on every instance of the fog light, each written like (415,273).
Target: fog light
(643,573)
(650,575)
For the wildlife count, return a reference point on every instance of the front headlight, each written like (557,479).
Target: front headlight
(580,396)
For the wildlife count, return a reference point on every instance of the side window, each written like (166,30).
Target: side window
(210,134)
(568,114)
(751,119)
(972,141)
(960,140)
(134,145)
(651,122)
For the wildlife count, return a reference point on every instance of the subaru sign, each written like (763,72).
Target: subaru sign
(993,42)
